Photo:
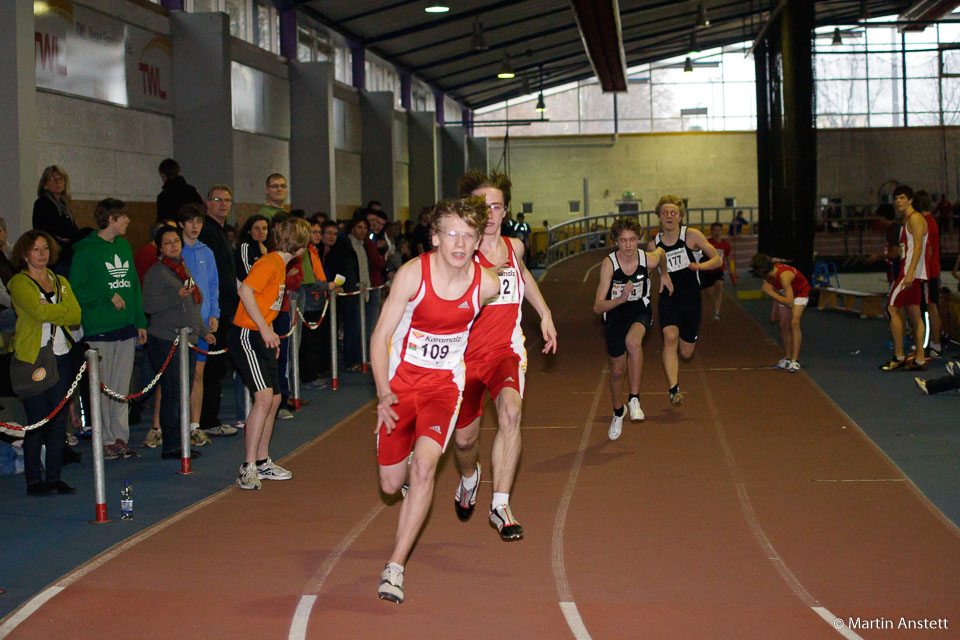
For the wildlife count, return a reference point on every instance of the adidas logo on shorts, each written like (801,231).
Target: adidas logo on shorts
(436,428)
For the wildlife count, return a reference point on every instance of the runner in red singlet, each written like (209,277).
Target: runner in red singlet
(416,352)
(712,281)
(496,359)
(790,291)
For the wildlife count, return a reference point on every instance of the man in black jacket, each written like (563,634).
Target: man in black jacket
(174,194)
(213,234)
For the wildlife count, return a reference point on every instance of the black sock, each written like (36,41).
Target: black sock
(632,396)
(675,388)
(260,463)
(618,412)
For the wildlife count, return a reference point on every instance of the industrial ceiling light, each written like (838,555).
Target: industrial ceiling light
(837,38)
(541,105)
(702,19)
(694,43)
(506,70)
(688,65)
(436,7)
(478,42)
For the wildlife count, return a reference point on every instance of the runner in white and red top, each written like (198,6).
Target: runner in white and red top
(923,203)
(712,281)
(416,352)
(907,289)
(790,291)
(497,360)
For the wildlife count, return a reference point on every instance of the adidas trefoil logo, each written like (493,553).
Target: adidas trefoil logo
(117,269)
(464,305)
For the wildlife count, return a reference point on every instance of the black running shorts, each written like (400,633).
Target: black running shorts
(256,363)
(681,312)
(617,331)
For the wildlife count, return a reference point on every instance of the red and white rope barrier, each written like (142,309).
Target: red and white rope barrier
(146,390)
(18,430)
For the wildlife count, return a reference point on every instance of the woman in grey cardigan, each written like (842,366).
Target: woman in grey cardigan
(173,301)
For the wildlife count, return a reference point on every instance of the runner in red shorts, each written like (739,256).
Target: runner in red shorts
(416,352)
(496,359)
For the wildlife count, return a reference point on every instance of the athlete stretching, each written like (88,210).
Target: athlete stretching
(496,359)
(623,297)
(416,352)
(680,311)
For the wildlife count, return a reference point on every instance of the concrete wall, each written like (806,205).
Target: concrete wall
(401,169)
(254,158)
(704,167)
(348,143)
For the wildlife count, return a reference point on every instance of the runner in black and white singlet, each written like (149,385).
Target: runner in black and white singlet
(680,311)
(623,299)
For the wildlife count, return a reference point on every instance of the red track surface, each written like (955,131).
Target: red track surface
(730,517)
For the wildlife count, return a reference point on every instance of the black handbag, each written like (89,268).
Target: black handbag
(29,380)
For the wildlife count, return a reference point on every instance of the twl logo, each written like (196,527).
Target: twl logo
(49,54)
(151,81)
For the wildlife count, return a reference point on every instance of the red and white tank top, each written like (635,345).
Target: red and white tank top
(498,327)
(907,250)
(932,254)
(432,333)
(800,284)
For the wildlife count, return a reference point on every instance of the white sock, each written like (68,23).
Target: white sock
(398,567)
(471,482)
(499,499)
(194,426)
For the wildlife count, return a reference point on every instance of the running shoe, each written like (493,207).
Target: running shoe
(934,353)
(794,367)
(915,365)
(502,519)
(270,470)
(466,499)
(221,430)
(893,365)
(716,315)
(636,413)
(109,453)
(284,414)
(199,438)
(70,439)
(391,583)
(616,427)
(153,440)
(123,451)
(676,398)
(248,478)
(952,366)
(922,385)
(784,364)
(239,424)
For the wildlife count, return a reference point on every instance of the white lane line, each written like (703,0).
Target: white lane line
(860,480)
(298,626)
(559,568)
(587,274)
(837,624)
(574,621)
(27,609)
(753,522)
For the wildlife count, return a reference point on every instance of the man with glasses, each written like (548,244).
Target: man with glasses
(214,235)
(680,311)
(496,358)
(276,192)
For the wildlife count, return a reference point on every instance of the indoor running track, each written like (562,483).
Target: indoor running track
(756,510)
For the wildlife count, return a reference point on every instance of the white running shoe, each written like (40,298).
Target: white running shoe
(391,583)
(784,364)
(270,470)
(248,477)
(636,413)
(616,427)
(794,367)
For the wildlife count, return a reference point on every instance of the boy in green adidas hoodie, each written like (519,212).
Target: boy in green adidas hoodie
(105,283)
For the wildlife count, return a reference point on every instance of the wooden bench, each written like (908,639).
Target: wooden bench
(867,305)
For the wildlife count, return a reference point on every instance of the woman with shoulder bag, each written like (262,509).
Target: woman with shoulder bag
(41,370)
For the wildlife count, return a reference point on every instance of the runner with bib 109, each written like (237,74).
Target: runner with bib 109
(680,311)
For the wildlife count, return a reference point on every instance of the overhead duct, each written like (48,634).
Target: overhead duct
(599,24)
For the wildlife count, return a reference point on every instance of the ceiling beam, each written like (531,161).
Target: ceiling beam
(599,24)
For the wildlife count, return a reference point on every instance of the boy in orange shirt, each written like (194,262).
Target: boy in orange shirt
(254,347)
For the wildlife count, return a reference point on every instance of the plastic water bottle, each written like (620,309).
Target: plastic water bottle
(126,501)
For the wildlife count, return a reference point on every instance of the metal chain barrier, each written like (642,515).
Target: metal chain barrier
(18,430)
(133,396)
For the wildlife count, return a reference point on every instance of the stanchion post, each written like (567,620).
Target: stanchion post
(334,380)
(184,357)
(363,331)
(293,353)
(96,428)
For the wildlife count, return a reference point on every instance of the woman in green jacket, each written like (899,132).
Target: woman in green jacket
(45,307)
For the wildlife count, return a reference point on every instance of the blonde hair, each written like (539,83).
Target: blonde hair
(292,235)
(472,210)
(674,200)
(42,186)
